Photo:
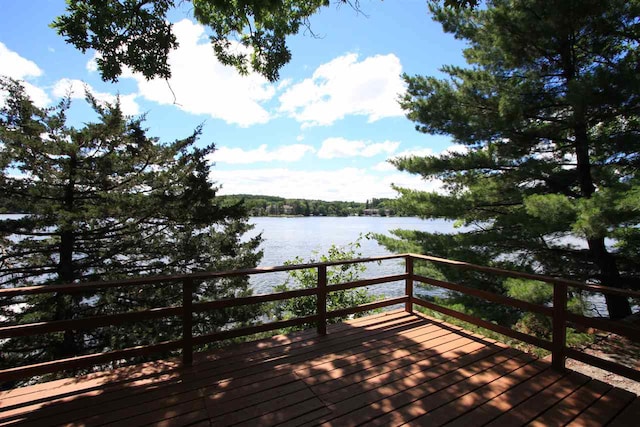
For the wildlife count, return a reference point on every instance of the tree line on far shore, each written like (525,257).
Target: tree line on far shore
(258,205)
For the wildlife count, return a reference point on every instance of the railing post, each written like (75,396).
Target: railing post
(559,344)
(187,322)
(408,287)
(321,309)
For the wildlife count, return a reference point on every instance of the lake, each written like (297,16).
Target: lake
(284,238)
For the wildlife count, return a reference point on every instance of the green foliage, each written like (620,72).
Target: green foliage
(308,278)
(279,206)
(247,34)
(108,202)
(547,113)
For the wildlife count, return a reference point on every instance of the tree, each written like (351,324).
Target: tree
(308,278)
(107,202)
(548,114)
(137,33)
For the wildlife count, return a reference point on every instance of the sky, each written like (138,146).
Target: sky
(324,131)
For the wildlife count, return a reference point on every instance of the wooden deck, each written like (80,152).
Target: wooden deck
(390,369)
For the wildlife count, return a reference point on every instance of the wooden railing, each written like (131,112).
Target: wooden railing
(558,312)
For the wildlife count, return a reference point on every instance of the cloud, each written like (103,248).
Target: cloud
(344,87)
(76,89)
(383,167)
(16,67)
(349,184)
(340,147)
(285,153)
(423,152)
(202,85)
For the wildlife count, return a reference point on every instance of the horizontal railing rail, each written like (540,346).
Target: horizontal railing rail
(561,317)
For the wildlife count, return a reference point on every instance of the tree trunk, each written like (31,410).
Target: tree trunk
(66,274)
(618,306)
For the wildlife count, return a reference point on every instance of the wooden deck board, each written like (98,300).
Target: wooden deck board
(389,369)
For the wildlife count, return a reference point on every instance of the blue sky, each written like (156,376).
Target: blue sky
(325,130)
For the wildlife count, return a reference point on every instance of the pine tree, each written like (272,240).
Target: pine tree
(548,112)
(107,202)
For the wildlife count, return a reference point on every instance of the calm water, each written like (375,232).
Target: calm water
(286,238)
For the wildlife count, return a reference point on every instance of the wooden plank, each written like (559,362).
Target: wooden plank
(370,379)
(507,400)
(250,330)
(242,373)
(86,361)
(88,322)
(280,417)
(569,407)
(181,414)
(89,286)
(374,320)
(267,406)
(123,373)
(366,307)
(223,407)
(187,322)
(535,405)
(356,336)
(306,336)
(254,299)
(81,403)
(366,282)
(424,405)
(607,365)
(485,324)
(617,327)
(390,350)
(489,296)
(628,416)
(510,273)
(321,301)
(201,380)
(408,284)
(605,409)
(481,395)
(559,326)
(369,405)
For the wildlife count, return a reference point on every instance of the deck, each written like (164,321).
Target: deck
(388,369)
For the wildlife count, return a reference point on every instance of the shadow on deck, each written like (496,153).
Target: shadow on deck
(388,369)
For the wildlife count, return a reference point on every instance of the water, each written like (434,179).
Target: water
(285,238)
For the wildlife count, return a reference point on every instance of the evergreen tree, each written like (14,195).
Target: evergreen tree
(548,113)
(106,202)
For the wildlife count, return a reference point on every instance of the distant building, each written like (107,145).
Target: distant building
(272,210)
(287,210)
(371,212)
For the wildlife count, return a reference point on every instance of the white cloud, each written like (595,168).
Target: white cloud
(202,85)
(423,152)
(383,167)
(285,153)
(350,184)
(344,87)
(300,138)
(340,147)
(16,67)
(76,89)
